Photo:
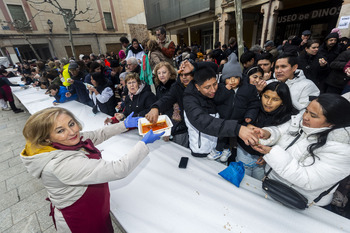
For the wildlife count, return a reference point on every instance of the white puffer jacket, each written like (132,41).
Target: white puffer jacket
(301,89)
(295,166)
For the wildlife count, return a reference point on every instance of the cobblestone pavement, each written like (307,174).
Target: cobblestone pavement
(22,197)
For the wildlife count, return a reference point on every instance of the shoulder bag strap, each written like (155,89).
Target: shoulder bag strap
(294,140)
(324,193)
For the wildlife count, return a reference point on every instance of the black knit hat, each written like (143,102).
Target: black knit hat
(332,35)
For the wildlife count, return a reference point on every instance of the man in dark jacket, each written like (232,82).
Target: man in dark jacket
(330,48)
(232,47)
(337,79)
(218,54)
(201,116)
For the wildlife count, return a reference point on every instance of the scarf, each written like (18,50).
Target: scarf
(138,91)
(135,51)
(87,145)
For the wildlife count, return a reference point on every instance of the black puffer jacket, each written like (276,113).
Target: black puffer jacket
(337,78)
(166,103)
(219,55)
(311,67)
(140,103)
(198,108)
(329,55)
(162,90)
(243,104)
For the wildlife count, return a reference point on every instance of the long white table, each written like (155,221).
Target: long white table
(160,197)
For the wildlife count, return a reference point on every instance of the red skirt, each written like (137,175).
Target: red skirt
(6,93)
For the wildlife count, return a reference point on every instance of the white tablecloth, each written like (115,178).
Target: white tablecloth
(160,197)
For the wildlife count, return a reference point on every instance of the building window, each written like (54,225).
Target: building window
(18,16)
(68,15)
(108,20)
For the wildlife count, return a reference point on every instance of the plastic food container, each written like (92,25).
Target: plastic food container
(164,123)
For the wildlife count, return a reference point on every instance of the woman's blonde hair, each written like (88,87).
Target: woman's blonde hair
(40,125)
(51,64)
(133,75)
(171,69)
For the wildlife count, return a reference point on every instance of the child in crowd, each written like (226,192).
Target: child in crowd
(238,101)
(59,92)
(256,78)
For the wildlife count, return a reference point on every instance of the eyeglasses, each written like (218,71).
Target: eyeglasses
(128,64)
(131,83)
(158,35)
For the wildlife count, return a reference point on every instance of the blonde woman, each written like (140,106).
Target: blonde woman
(72,169)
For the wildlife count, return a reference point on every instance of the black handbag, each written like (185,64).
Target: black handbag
(285,194)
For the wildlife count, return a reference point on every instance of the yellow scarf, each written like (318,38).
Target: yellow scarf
(30,150)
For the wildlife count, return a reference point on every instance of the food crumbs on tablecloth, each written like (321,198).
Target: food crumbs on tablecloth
(247,184)
(197,192)
(266,196)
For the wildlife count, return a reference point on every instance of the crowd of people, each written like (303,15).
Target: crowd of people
(221,109)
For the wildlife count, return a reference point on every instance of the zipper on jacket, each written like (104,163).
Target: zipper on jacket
(199,140)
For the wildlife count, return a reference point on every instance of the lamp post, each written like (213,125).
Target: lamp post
(50,23)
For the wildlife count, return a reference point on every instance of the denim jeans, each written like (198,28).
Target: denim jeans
(256,172)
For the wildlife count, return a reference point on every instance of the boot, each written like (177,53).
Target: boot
(14,108)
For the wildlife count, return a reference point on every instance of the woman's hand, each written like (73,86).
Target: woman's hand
(107,121)
(150,137)
(347,71)
(260,85)
(152,116)
(262,133)
(119,116)
(228,86)
(322,62)
(247,120)
(91,88)
(131,122)
(267,76)
(55,103)
(261,161)
(262,149)
(68,94)
(186,67)
(119,105)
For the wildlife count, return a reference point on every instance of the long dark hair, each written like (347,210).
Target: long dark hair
(283,113)
(336,110)
(101,81)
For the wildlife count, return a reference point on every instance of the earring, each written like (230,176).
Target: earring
(48,141)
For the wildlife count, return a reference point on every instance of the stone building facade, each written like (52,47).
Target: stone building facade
(109,20)
(262,20)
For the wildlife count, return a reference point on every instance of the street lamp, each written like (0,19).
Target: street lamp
(50,23)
